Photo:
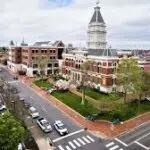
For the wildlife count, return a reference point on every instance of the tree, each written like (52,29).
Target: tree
(85,67)
(11,132)
(42,63)
(131,79)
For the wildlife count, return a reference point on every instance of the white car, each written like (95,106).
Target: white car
(33,112)
(60,127)
(2,106)
(44,125)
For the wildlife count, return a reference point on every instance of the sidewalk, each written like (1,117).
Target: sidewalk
(100,128)
(38,135)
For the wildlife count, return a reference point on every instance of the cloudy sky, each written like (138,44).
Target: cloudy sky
(128,21)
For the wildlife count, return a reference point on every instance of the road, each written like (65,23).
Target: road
(138,139)
(77,138)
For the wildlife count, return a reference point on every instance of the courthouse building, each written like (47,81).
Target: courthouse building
(105,59)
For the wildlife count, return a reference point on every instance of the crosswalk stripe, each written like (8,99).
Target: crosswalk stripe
(68,148)
(72,145)
(82,142)
(76,143)
(120,149)
(60,147)
(110,144)
(86,140)
(90,138)
(115,147)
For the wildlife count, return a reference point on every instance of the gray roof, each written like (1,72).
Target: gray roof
(102,52)
(41,43)
(97,17)
(56,42)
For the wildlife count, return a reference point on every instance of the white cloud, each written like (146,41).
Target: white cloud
(26,18)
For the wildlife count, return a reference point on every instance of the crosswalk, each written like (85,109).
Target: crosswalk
(77,143)
(113,146)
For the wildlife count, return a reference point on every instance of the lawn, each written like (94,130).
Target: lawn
(74,102)
(102,97)
(43,84)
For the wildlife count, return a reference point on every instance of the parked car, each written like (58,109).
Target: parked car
(44,125)
(2,106)
(0,69)
(33,112)
(60,127)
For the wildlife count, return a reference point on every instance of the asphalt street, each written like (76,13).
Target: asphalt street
(138,139)
(77,138)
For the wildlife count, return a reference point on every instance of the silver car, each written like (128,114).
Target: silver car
(44,125)
(33,112)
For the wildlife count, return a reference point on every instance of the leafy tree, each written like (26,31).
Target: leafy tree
(85,67)
(131,79)
(11,132)
(42,65)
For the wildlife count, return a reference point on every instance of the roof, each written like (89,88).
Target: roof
(97,17)
(41,43)
(102,52)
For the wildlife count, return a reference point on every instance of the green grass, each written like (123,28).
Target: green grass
(74,102)
(102,97)
(44,84)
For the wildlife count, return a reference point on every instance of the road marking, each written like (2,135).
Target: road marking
(60,147)
(76,143)
(121,149)
(82,142)
(110,144)
(73,133)
(68,148)
(13,81)
(145,147)
(86,140)
(121,142)
(72,145)
(115,147)
(143,136)
(90,138)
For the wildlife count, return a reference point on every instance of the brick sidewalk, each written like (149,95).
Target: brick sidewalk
(104,128)
(100,127)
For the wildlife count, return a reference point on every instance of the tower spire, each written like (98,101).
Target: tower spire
(97,3)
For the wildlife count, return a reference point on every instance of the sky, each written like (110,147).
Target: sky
(127,21)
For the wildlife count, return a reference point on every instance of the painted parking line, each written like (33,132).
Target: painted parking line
(44,109)
(121,142)
(60,147)
(110,144)
(143,146)
(68,135)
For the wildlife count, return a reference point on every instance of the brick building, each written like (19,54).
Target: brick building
(27,57)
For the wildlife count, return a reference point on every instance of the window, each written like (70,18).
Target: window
(49,65)
(36,51)
(56,65)
(35,65)
(32,51)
